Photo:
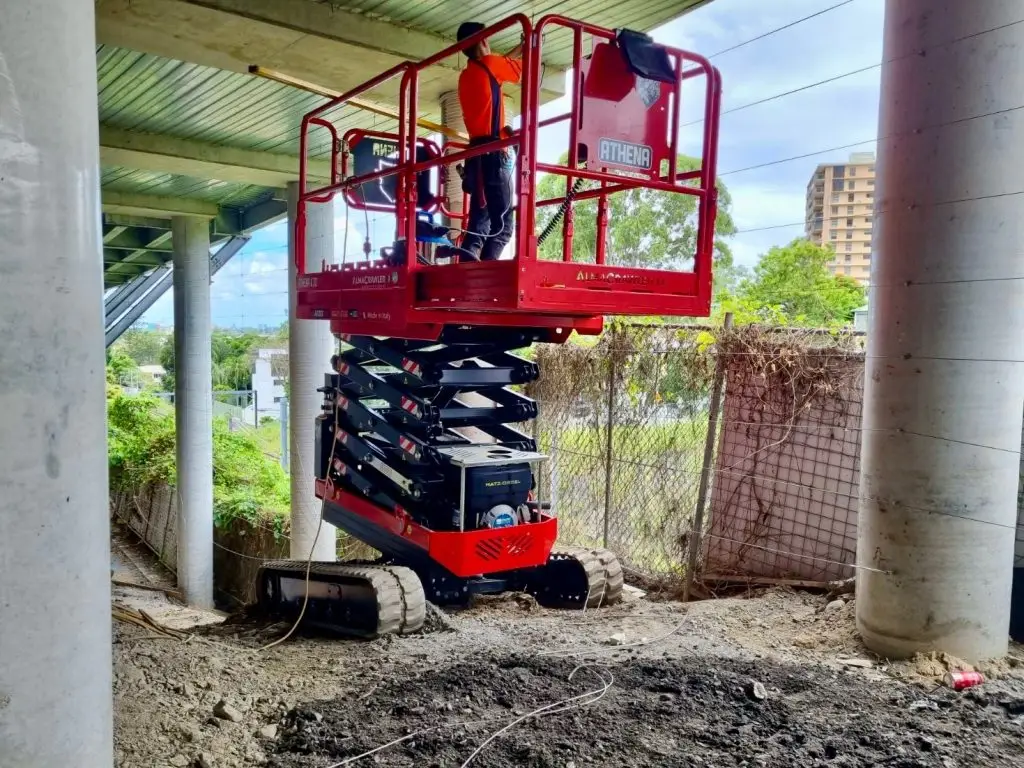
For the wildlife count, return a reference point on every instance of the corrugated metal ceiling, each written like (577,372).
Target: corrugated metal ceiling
(442,17)
(155,95)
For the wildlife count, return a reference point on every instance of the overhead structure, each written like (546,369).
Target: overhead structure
(126,303)
(186,130)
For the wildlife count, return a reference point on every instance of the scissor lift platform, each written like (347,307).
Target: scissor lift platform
(624,134)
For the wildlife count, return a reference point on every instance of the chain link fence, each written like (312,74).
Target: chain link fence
(624,421)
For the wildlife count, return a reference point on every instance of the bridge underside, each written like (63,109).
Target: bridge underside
(185,130)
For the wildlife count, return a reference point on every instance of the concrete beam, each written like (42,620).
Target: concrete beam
(262,214)
(137,238)
(158,206)
(114,220)
(169,154)
(113,233)
(311,41)
(145,259)
(305,39)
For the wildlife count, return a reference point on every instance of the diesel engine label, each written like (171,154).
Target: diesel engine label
(617,152)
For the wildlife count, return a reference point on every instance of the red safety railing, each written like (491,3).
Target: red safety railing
(534,277)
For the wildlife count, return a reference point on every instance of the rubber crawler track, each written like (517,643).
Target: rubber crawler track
(613,576)
(585,591)
(401,604)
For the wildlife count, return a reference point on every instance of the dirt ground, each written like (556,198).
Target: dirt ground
(778,679)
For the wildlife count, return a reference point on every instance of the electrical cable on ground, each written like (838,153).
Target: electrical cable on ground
(591,697)
(309,560)
(558,706)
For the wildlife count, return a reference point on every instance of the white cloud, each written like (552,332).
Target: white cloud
(252,286)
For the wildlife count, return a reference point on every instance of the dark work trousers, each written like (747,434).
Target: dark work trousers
(491,221)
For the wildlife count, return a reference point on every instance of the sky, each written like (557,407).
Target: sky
(767,202)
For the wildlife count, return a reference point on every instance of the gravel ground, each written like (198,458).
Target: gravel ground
(686,697)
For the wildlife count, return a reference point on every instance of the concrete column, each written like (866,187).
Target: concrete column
(451,116)
(55,695)
(944,385)
(310,346)
(193,399)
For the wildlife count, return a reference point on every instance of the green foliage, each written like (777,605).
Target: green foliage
(792,285)
(167,361)
(645,228)
(121,367)
(143,346)
(232,353)
(140,440)
(247,484)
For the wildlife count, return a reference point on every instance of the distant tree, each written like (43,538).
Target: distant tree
(121,368)
(232,356)
(792,284)
(167,362)
(645,228)
(143,346)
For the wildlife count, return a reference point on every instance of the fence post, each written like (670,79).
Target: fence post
(553,470)
(284,433)
(536,447)
(608,456)
(255,408)
(705,471)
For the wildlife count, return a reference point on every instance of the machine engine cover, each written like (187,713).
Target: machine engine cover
(490,486)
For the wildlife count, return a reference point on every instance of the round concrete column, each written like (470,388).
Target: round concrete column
(451,116)
(193,407)
(310,346)
(55,692)
(944,382)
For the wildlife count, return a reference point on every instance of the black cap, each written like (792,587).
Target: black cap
(468,29)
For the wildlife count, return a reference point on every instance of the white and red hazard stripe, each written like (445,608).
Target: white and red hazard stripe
(340,467)
(341,401)
(411,366)
(346,337)
(411,407)
(341,435)
(407,445)
(343,369)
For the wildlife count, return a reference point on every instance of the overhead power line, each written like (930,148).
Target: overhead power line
(860,70)
(780,29)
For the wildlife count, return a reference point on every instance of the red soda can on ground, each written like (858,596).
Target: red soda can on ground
(960,679)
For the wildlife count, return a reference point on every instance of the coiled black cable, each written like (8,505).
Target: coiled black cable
(550,227)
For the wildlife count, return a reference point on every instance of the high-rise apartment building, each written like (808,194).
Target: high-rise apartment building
(840,212)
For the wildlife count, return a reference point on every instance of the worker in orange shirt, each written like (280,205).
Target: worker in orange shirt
(488,178)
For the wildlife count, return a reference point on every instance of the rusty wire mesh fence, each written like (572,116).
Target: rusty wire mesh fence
(787,470)
(625,423)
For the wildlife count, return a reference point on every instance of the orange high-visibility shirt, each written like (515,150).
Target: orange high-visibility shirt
(478,96)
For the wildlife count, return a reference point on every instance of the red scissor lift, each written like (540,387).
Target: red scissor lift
(422,331)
